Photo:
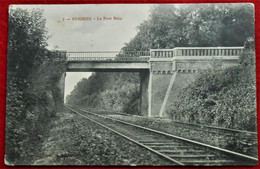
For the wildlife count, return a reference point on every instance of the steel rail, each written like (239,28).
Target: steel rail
(217,128)
(128,138)
(200,126)
(232,153)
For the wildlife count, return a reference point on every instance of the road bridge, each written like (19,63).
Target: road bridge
(108,61)
(163,72)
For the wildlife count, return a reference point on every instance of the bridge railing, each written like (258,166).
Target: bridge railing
(162,53)
(196,51)
(112,59)
(154,53)
(108,56)
(209,51)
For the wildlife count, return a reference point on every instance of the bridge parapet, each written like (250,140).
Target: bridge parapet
(162,53)
(109,56)
(140,56)
(109,59)
(196,51)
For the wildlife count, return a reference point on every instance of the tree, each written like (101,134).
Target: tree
(193,25)
(32,84)
(27,39)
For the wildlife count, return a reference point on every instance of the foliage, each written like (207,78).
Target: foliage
(110,91)
(221,97)
(32,80)
(195,25)
(27,38)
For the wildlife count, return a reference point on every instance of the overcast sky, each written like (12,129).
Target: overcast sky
(91,35)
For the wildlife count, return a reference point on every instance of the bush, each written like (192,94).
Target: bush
(110,91)
(32,83)
(221,97)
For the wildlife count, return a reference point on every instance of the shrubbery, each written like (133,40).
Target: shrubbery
(32,85)
(110,91)
(221,97)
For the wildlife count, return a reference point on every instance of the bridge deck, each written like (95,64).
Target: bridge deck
(139,60)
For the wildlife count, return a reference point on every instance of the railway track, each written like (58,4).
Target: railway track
(177,150)
(201,127)
(244,141)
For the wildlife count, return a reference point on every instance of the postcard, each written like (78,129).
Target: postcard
(131,85)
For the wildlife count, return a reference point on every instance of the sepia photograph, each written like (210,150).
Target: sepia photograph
(131,85)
